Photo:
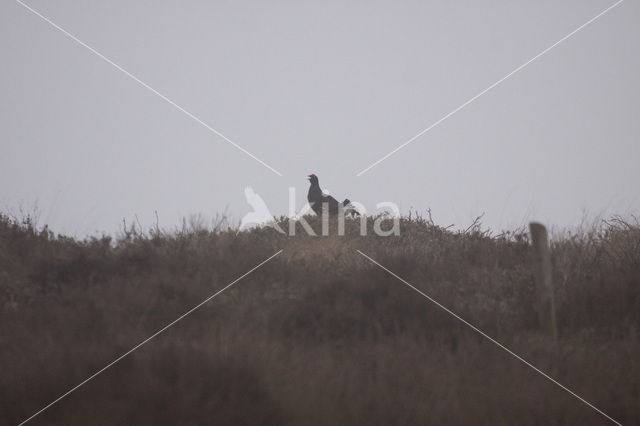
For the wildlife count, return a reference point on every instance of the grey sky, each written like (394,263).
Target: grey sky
(319,87)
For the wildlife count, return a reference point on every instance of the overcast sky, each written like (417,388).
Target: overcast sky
(325,87)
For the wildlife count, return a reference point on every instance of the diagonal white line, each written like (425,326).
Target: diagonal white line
(148,338)
(518,357)
(489,88)
(178,107)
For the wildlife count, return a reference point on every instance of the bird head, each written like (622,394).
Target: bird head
(313,178)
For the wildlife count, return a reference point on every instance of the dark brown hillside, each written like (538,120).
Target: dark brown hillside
(318,335)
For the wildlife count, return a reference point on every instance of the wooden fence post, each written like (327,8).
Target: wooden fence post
(544,282)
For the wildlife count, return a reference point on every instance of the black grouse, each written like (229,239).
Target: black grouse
(317,198)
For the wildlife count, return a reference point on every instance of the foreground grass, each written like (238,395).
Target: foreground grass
(318,335)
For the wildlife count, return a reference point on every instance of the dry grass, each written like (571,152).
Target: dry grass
(318,335)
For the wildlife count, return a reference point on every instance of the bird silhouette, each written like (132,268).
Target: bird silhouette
(318,199)
(260,214)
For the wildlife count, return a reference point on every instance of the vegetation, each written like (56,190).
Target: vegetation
(319,334)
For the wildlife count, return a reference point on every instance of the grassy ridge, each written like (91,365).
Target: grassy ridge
(318,335)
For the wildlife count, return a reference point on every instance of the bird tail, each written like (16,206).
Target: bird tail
(349,208)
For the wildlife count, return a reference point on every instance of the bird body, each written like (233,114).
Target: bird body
(318,199)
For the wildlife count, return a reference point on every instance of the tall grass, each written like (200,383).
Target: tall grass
(318,335)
